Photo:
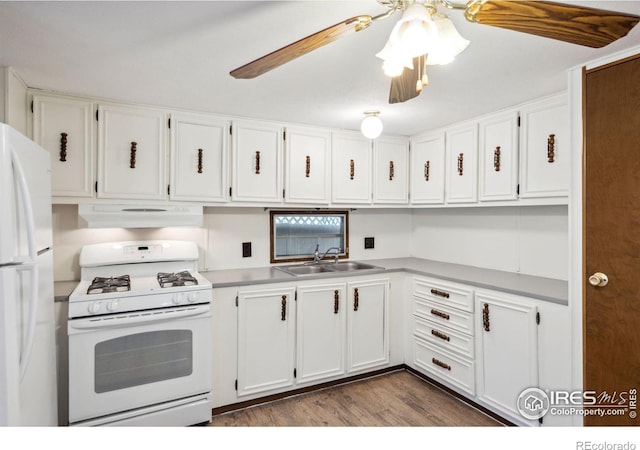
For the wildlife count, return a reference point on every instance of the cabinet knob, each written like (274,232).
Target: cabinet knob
(63,147)
(132,159)
(551,148)
(598,279)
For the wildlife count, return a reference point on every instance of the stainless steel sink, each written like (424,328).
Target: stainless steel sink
(310,269)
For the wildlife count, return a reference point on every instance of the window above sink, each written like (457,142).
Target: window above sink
(295,235)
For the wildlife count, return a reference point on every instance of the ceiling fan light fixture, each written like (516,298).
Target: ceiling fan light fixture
(449,42)
(371,126)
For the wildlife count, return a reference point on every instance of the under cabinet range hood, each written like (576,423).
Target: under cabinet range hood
(139,216)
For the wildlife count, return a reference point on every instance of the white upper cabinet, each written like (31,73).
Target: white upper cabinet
(427,169)
(498,157)
(198,158)
(351,160)
(307,166)
(65,127)
(131,152)
(391,170)
(545,148)
(461,163)
(257,162)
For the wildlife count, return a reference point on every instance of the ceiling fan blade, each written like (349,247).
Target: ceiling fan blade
(580,25)
(303,46)
(403,87)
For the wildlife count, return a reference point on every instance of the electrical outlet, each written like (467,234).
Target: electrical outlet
(369,242)
(246,249)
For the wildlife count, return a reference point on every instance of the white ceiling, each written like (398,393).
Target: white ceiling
(179,54)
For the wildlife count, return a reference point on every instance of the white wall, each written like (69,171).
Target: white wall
(532,240)
(225,229)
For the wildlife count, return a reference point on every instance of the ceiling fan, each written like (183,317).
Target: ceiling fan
(579,25)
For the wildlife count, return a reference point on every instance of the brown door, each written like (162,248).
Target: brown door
(612,236)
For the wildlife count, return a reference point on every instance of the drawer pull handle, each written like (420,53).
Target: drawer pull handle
(391,171)
(435,312)
(352,169)
(336,298)
(496,159)
(283,311)
(63,147)
(257,163)
(132,159)
(427,166)
(356,299)
(307,168)
(437,362)
(440,335)
(440,293)
(551,148)
(486,324)
(199,160)
(461,164)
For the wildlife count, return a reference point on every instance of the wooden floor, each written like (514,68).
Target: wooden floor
(394,399)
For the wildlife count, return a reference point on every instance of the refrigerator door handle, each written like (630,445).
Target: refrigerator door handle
(31,265)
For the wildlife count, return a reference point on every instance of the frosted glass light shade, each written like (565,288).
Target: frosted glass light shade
(371,126)
(449,42)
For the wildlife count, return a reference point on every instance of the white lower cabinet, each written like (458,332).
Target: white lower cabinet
(443,333)
(266,339)
(367,325)
(298,335)
(507,352)
(321,331)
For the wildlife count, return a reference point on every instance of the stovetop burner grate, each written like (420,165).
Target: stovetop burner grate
(101,285)
(183,278)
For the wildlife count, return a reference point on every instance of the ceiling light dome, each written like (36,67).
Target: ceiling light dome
(371,125)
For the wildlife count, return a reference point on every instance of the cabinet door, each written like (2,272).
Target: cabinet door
(498,157)
(64,126)
(427,169)
(131,153)
(545,148)
(321,332)
(351,168)
(307,153)
(198,158)
(462,166)
(367,324)
(266,339)
(507,350)
(391,170)
(257,159)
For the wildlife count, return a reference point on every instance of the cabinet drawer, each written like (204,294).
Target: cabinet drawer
(443,337)
(444,293)
(443,315)
(443,365)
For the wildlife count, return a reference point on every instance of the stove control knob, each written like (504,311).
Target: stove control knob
(192,297)
(178,298)
(113,305)
(94,307)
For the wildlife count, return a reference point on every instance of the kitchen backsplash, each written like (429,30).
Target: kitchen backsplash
(531,240)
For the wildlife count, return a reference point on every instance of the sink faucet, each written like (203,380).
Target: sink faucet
(335,255)
(316,255)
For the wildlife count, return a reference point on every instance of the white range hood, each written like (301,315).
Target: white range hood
(139,216)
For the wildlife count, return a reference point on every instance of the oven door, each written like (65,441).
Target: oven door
(125,361)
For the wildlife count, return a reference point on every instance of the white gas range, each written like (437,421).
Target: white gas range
(140,336)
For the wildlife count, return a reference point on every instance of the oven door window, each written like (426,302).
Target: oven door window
(143,358)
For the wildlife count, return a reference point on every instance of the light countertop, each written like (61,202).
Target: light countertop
(541,288)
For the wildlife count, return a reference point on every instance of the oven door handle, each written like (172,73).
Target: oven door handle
(142,317)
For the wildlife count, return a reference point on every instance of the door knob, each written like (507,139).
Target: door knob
(598,279)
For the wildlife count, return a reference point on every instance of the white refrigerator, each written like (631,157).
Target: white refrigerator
(28,393)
